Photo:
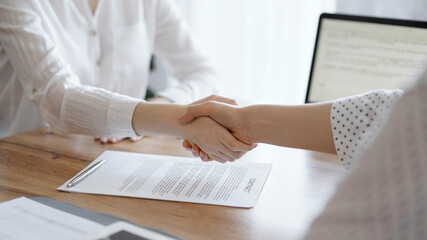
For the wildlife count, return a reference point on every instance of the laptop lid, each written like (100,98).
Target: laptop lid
(355,54)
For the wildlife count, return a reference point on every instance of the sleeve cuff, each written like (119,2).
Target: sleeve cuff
(120,114)
(97,112)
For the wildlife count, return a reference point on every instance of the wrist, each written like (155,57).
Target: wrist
(135,116)
(247,117)
(159,100)
(157,119)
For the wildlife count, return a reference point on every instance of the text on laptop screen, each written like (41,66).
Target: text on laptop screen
(355,57)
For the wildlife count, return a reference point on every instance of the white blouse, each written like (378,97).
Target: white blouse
(84,73)
(382,137)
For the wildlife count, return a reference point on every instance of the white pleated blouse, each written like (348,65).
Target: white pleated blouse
(84,73)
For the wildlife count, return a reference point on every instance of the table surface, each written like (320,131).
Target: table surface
(300,183)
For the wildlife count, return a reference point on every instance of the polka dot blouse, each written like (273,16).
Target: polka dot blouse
(356,121)
(385,196)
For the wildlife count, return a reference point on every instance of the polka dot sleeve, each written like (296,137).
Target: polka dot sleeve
(356,120)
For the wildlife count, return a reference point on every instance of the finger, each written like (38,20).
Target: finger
(226,157)
(194,111)
(96,138)
(237,155)
(104,140)
(217,98)
(116,139)
(205,157)
(225,100)
(191,147)
(135,139)
(221,156)
(224,150)
(237,146)
(187,145)
(217,158)
(222,99)
(196,150)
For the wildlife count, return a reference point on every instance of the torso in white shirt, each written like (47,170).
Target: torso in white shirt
(110,48)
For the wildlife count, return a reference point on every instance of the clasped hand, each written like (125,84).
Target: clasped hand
(225,112)
(208,132)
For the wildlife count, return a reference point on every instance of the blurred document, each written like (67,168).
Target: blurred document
(23,218)
(170,178)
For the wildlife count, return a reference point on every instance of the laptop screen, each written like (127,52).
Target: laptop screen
(356,54)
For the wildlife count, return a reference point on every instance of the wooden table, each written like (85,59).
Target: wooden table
(36,163)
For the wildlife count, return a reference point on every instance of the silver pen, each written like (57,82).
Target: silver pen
(84,174)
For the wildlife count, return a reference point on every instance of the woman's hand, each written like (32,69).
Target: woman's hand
(193,147)
(162,119)
(216,142)
(229,117)
(196,151)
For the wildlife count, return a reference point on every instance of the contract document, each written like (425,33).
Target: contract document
(237,184)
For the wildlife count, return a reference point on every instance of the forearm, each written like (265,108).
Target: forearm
(212,138)
(157,119)
(158,99)
(306,126)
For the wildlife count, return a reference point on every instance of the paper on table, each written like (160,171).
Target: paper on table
(23,218)
(175,178)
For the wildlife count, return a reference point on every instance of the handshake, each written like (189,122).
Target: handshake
(215,128)
(226,136)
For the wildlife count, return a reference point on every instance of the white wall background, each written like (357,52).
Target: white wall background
(262,48)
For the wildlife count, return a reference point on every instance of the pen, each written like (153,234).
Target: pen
(85,173)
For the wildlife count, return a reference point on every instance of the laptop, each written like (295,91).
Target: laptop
(356,54)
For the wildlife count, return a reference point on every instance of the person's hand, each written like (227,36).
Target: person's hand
(196,151)
(231,117)
(162,119)
(116,139)
(216,98)
(193,147)
(216,141)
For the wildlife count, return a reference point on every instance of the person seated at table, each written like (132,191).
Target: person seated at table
(83,67)
(381,136)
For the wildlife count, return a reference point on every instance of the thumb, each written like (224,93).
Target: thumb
(194,111)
